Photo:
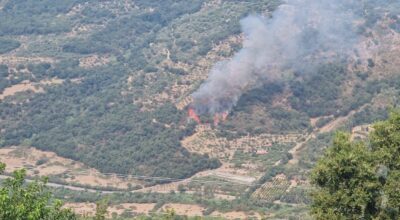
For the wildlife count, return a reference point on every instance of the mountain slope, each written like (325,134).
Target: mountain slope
(95,48)
(124,66)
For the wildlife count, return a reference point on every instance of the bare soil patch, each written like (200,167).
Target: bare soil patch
(137,208)
(89,209)
(28,86)
(84,209)
(184,209)
(226,172)
(234,215)
(13,61)
(42,163)
(22,87)
(206,141)
(93,61)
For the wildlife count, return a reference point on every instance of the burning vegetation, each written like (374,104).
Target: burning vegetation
(193,115)
(217,117)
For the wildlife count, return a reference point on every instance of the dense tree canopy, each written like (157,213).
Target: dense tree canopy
(115,134)
(7,45)
(357,180)
(20,200)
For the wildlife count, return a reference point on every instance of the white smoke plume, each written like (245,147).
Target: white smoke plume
(299,35)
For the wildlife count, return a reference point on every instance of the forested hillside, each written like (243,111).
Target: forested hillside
(105,79)
(98,115)
(114,112)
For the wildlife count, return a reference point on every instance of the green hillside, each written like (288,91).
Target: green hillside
(93,117)
(105,80)
(96,121)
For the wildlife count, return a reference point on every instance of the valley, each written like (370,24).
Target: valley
(97,96)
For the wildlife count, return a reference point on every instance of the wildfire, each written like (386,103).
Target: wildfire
(192,114)
(218,117)
(224,116)
(216,120)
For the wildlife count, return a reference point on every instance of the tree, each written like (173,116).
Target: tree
(169,215)
(20,200)
(355,180)
(385,146)
(101,210)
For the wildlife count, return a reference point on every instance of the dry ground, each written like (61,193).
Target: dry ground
(89,209)
(28,86)
(22,87)
(184,209)
(75,172)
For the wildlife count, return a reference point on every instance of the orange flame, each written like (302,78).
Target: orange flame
(218,117)
(224,116)
(192,114)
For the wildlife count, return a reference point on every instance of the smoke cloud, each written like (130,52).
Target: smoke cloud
(299,35)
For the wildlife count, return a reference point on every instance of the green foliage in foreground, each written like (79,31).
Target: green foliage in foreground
(23,200)
(31,201)
(355,180)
